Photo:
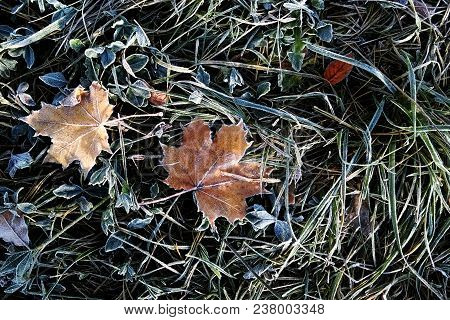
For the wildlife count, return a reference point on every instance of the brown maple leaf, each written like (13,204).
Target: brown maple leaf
(337,70)
(211,169)
(76,127)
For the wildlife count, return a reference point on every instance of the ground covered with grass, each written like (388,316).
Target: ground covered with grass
(361,209)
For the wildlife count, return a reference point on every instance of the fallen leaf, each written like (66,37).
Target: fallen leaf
(291,197)
(337,71)
(282,231)
(423,8)
(358,214)
(364,218)
(158,98)
(13,229)
(213,171)
(76,127)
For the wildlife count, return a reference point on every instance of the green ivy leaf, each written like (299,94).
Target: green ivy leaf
(318,4)
(6,66)
(263,89)
(325,31)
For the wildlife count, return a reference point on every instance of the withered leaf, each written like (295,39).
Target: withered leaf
(76,127)
(423,8)
(13,229)
(158,98)
(291,196)
(337,71)
(213,171)
(358,214)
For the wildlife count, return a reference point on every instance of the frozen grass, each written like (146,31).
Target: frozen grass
(375,148)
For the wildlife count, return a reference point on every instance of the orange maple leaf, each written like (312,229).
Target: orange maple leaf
(77,131)
(213,171)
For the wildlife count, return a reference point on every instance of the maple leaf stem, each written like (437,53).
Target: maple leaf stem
(115,121)
(169,197)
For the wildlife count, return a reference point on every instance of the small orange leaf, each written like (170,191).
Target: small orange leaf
(158,98)
(337,71)
(213,171)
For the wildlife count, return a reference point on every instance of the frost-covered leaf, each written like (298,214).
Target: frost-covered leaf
(235,79)
(18,161)
(282,231)
(204,225)
(141,36)
(26,207)
(23,87)
(107,223)
(28,56)
(259,269)
(260,218)
(67,191)
(94,53)
(114,242)
(213,171)
(13,229)
(107,58)
(127,201)
(141,89)
(78,132)
(296,60)
(318,4)
(203,76)
(54,79)
(325,31)
(6,66)
(135,63)
(154,190)
(137,223)
(17,266)
(196,97)
(100,176)
(26,99)
(15,262)
(85,205)
(5,31)
(262,89)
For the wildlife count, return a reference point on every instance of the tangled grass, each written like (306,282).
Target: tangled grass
(367,159)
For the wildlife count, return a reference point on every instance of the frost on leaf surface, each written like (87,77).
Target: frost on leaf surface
(76,127)
(13,229)
(213,171)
